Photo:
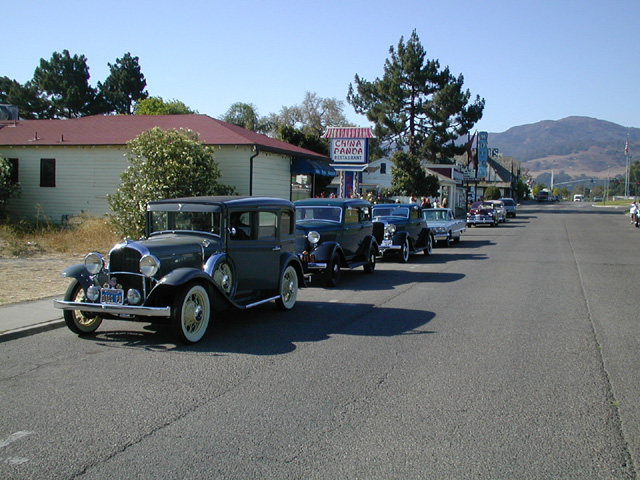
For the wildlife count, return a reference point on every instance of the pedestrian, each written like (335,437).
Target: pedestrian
(445,203)
(633,212)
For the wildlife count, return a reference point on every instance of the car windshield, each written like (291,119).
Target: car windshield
(391,212)
(510,203)
(326,213)
(434,215)
(208,222)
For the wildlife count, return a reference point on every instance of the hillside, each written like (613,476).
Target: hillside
(573,146)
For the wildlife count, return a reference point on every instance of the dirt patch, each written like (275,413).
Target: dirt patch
(34,277)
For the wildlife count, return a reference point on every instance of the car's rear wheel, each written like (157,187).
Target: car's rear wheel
(332,274)
(288,289)
(370,266)
(404,251)
(82,323)
(191,313)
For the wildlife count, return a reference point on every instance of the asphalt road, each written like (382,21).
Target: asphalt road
(513,354)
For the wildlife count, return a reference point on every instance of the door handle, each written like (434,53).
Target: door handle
(276,248)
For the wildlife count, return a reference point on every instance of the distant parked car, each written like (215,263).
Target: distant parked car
(444,225)
(401,230)
(199,255)
(335,233)
(501,211)
(597,199)
(482,214)
(510,205)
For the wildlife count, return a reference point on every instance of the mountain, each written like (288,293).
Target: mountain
(573,146)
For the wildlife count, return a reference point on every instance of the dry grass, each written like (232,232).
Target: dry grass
(81,236)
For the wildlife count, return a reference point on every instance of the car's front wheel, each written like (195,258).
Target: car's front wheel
(429,248)
(370,266)
(404,251)
(190,314)
(82,323)
(332,274)
(288,289)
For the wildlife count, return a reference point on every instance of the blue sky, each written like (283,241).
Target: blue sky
(530,60)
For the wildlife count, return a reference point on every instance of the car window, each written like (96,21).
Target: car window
(241,226)
(365,214)
(351,215)
(415,214)
(184,220)
(287,225)
(267,225)
(329,214)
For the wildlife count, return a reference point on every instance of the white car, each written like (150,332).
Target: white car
(444,225)
(510,205)
(501,211)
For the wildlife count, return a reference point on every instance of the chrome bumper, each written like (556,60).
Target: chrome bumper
(114,309)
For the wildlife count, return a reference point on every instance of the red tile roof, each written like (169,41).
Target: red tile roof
(119,129)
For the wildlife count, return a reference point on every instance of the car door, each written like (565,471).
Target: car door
(256,255)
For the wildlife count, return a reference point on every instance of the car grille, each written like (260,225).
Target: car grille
(124,260)
(378,231)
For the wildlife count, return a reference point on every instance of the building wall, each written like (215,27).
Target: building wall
(85,175)
(83,178)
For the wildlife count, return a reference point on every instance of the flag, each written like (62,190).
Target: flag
(626,147)
(470,156)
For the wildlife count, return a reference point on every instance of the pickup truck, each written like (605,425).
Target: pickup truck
(444,225)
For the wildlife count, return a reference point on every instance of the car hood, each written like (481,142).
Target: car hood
(172,249)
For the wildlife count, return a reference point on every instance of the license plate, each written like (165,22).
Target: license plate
(387,243)
(112,296)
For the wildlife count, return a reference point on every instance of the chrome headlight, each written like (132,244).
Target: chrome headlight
(149,265)
(313,237)
(94,262)
(93,293)
(133,297)
(390,228)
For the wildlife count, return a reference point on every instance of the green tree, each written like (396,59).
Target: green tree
(410,178)
(124,86)
(157,106)
(31,102)
(65,82)
(522,189)
(492,193)
(245,115)
(8,188)
(163,164)
(417,104)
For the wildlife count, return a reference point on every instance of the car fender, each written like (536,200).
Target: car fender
(168,286)
(324,252)
(400,237)
(290,259)
(79,272)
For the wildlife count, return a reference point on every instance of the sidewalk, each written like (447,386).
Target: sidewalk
(27,318)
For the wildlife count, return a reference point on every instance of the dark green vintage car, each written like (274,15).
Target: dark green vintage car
(200,255)
(335,233)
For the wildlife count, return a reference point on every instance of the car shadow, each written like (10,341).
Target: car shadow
(265,330)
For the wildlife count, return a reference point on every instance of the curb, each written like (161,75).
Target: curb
(31,330)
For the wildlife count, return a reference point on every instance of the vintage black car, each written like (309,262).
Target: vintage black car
(200,255)
(335,233)
(401,230)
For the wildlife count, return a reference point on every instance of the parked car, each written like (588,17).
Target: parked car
(501,211)
(445,226)
(510,205)
(199,255)
(481,214)
(400,230)
(335,233)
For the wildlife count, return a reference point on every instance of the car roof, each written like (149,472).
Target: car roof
(227,200)
(388,205)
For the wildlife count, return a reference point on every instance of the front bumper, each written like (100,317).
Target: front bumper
(482,220)
(110,309)
(387,244)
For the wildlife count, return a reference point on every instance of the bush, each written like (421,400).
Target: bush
(163,164)
(492,193)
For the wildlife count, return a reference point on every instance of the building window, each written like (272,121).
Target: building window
(383,168)
(47,172)
(15,170)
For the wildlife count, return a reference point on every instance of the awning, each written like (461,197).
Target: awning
(308,166)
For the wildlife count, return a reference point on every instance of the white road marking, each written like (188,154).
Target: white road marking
(8,441)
